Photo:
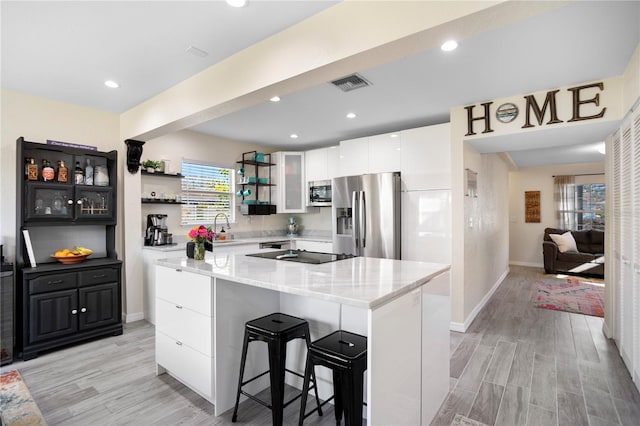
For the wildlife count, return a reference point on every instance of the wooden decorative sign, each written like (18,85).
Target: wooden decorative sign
(532,206)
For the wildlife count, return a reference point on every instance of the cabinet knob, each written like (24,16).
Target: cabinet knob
(73,312)
(69,202)
(179,306)
(83,310)
(179,343)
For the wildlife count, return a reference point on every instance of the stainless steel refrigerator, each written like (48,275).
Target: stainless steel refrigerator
(366,215)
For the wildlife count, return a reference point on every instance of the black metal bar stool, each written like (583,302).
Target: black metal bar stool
(276,330)
(345,354)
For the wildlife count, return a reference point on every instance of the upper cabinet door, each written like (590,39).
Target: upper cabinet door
(384,153)
(333,162)
(48,201)
(354,157)
(290,186)
(426,158)
(316,164)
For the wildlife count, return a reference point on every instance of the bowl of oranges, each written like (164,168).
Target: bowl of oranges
(75,255)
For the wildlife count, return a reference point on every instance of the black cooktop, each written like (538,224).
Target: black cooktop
(302,256)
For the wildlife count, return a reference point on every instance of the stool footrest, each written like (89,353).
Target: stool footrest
(254,378)
(286,404)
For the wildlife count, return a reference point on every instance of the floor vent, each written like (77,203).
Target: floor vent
(350,82)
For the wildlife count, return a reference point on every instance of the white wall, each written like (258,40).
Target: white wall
(38,119)
(486,231)
(525,239)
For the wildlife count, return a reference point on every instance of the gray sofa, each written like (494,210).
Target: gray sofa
(588,261)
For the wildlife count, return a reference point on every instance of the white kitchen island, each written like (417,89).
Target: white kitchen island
(402,306)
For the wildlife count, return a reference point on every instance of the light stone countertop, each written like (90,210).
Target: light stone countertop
(362,281)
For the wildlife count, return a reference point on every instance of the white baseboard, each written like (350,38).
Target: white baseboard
(457,326)
(133,317)
(531,264)
(462,327)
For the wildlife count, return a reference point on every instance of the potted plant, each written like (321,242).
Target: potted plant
(150,165)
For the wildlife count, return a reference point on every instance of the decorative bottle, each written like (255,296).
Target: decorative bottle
(48,174)
(88,173)
(78,174)
(63,172)
(32,169)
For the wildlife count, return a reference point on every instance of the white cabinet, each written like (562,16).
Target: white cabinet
(354,157)
(319,246)
(289,177)
(322,163)
(333,162)
(426,226)
(426,158)
(374,154)
(184,328)
(315,161)
(384,153)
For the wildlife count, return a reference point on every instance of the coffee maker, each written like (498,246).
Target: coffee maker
(157,234)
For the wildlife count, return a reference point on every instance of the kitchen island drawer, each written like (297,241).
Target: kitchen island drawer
(53,282)
(183,324)
(99,276)
(187,289)
(186,364)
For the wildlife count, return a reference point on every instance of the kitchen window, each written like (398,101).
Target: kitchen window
(207,190)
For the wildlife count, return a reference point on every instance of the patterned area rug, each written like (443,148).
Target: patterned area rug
(17,407)
(571,294)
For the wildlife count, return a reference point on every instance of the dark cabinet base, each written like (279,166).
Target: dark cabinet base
(32,351)
(65,304)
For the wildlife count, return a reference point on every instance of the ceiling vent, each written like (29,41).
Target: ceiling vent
(350,82)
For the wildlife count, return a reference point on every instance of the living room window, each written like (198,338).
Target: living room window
(580,201)
(207,190)
(590,201)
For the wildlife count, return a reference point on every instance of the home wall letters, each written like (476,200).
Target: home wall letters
(531,105)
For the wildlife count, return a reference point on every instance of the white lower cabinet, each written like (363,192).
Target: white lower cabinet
(191,367)
(184,328)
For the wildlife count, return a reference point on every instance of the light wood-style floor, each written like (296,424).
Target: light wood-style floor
(521,365)
(516,365)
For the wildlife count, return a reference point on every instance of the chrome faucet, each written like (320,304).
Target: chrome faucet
(215,223)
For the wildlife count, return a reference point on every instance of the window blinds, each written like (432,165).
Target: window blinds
(206,191)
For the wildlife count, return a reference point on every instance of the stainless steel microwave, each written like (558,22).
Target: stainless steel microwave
(320,193)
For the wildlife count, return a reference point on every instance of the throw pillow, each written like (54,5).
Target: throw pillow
(566,243)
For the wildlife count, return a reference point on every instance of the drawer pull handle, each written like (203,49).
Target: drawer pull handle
(99,276)
(55,282)
(178,270)
(83,310)
(74,312)
(179,306)
(179,343)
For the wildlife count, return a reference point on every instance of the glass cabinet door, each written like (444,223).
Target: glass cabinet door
(49,201)
(93,203)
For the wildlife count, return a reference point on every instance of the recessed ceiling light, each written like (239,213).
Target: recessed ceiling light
(448,46)
(394,135)
(293,136)
(112,84)
(237,3)
(351,115)
(275,99)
